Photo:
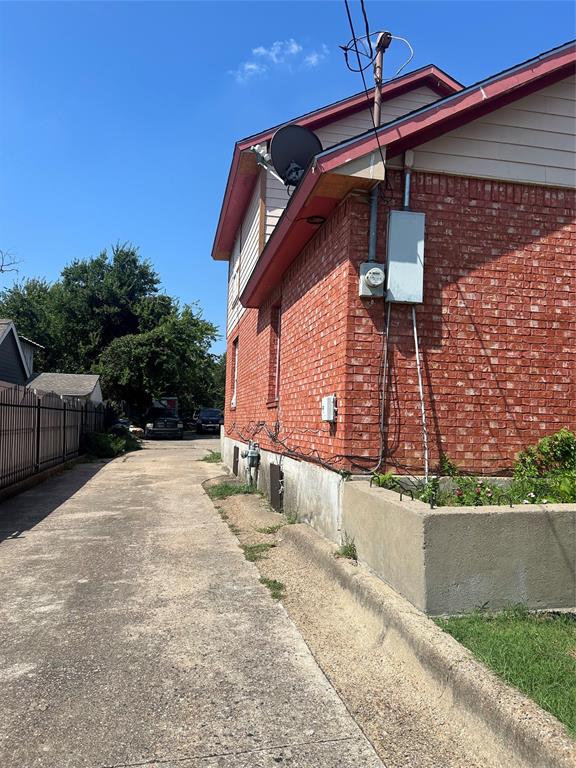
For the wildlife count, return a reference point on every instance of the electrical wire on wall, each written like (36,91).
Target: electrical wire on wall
(362,47)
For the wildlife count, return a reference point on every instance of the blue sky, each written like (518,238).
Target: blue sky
(118,120)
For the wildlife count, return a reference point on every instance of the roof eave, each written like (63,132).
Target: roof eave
(398,136)
(235,200)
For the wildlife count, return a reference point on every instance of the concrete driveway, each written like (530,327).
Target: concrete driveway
(133,632)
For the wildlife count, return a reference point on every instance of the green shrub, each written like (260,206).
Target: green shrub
(102,446)
(446,467)
(551,455)
(384,480)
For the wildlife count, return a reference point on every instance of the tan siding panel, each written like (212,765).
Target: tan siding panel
(347,128)
(250,230)
(342,130)
(532,140)
(235,309)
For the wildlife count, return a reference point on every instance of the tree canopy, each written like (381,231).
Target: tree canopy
(107,315)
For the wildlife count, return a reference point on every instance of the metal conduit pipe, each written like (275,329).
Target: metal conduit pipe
(373,230)
(408,164)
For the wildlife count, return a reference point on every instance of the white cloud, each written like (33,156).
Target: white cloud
(288,54)
(279,51)
(315,57)
(247,70)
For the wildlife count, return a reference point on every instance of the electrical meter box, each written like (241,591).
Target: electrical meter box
(329,408)
(405,273)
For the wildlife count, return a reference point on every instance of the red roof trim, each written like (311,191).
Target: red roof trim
(485,95)
(411,130)
(236,197)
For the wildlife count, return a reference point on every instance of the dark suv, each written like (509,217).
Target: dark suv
(209,420)
(164,426)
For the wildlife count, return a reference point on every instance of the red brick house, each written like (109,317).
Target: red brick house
(492,167)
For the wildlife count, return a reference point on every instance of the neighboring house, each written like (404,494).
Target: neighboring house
(16,356)
(84,386)
(492,167)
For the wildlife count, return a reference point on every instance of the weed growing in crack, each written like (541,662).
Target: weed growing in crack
(347,549)
(254,552)
(292,518)
(225,489)
(276,587)
(213,457)
(271,529)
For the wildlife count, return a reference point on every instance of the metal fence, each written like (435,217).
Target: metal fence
(40,432)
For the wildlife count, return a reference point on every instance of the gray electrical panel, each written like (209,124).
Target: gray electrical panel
(405,273)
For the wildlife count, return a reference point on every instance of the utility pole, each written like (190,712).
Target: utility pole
(382,43)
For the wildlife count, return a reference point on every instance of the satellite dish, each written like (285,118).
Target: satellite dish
(292,149)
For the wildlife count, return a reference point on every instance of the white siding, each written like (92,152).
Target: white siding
(250,235)
(532,140)
(276,200)
(235,309)
(243,257)
(341,130)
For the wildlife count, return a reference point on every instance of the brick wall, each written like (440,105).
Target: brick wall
(497,331)
(313,297)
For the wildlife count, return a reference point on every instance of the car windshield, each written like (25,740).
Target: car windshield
(167,422)
(211,413)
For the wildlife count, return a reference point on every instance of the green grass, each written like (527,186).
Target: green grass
(213,457)
(270,529)
(347,548)
(292,518)
(253,552)
(276,587)
(225,489)
(536,653)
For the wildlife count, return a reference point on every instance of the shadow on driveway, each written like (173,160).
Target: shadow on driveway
(22,512)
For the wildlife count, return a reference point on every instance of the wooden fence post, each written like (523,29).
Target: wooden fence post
(38,431)
(63,431)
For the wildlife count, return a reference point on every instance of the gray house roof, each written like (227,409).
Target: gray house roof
(13,351)
(69,384)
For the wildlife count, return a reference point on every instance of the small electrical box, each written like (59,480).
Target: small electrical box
(405,272)
(372,278)
(329,408)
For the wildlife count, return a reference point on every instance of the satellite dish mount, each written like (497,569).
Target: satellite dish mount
(292,149)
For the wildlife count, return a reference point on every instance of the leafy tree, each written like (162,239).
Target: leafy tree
(29,305)
(106,315)
(173,358)
(215,395)
(98,301)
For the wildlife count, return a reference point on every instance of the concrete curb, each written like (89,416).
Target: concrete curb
(516,722)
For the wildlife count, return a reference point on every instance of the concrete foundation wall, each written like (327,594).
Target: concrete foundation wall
(311,492)
(449,560)
(455,559)
(498,555)
(388,541)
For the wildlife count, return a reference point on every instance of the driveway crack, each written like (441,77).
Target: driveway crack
(209,755)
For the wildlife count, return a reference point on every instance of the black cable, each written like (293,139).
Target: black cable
(361,70)
(367,27)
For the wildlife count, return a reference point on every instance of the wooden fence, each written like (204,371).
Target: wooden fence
(40,432)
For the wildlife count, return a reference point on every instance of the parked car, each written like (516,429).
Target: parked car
(164,426)
(121,426)
(209,420)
